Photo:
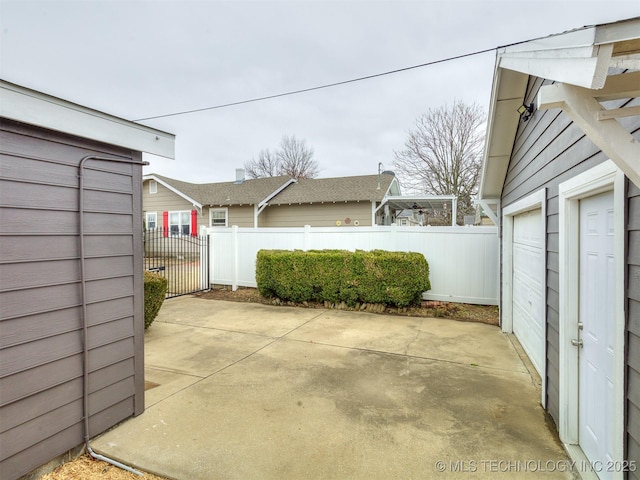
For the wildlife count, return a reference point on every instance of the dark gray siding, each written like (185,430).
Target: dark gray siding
(548,150)
(41,375)
(633,322)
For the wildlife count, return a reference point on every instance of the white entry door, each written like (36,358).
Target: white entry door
(528,285)
(596,314)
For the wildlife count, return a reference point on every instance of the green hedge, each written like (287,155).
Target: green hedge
(392,278)
(155,289)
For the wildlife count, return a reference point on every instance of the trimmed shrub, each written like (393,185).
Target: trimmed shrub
(392,278)
(155,289)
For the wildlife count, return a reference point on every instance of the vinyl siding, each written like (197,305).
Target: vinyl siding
(548,150)
(40,297)
(241,216)
(632,407)
(165,200)
(316,215)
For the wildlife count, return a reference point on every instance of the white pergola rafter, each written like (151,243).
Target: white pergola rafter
(583,106)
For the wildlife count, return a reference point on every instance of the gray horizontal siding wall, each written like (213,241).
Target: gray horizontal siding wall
(633,323)
(548,150)
(41,375)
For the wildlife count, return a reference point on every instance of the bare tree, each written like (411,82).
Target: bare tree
(293,158)
(265,166)
(296,159)
(442,154)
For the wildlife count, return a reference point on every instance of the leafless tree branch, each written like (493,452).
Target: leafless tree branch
(293,158)
(442,153)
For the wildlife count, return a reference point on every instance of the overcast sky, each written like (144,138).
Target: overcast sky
(137,59)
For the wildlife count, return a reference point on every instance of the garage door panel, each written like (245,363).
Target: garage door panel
(526,263)
(528,285)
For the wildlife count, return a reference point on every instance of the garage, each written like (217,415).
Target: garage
(528,282)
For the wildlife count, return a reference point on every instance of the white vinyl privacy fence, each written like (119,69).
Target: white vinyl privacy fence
(463,261)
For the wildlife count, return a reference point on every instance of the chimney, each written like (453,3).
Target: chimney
(239,175)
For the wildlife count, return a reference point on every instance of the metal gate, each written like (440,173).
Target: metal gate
(182,259)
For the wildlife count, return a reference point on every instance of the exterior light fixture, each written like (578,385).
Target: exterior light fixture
(526,111)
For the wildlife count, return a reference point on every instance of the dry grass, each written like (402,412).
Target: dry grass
(87,468)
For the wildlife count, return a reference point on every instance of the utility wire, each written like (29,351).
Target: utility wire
(319,87)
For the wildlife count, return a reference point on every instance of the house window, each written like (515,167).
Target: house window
(218,217)
(153,186)
(152,220)
(180,222)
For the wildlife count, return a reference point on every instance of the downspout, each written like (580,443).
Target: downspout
(85,327)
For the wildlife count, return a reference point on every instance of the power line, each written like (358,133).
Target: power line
(319,87)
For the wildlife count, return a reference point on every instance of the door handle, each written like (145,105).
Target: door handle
(577,343)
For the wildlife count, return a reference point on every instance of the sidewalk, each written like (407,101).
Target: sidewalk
(248,391)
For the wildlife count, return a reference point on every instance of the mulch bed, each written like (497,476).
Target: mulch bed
(456,311)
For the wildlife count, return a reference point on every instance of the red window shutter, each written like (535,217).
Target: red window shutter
(165,224)
(194,223)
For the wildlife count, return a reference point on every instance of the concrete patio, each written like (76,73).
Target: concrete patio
(247,391)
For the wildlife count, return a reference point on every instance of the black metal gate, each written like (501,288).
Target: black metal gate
(182,259)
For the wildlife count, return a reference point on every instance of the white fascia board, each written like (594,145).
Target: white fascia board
(581,57)
(581,66)
(35,108)
(389,191)
(488,136)
(507,95)
(574,57)
(582,37)
(174,190)
(618,32)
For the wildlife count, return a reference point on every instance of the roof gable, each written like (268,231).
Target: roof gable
(581,58)
(248,192)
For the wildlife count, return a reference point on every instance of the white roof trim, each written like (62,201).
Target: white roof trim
(583,66)
(581,58)
(173,189)
(28,106)
(264,202)
(393,182)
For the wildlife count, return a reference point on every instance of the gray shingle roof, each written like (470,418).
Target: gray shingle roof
(316,190)
(340,189)
(249,192)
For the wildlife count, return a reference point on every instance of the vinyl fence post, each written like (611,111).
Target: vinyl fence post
(394,238)
(204,257)
(234,285)
(306,239)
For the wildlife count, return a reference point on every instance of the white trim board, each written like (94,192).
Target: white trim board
(602,178)
(532,202)
(36,108)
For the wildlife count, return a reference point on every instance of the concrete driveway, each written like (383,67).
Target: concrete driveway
(247,391)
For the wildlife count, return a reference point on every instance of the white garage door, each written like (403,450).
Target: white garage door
(528,285)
